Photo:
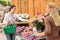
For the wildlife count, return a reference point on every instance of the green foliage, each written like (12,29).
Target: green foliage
(5,3)
(39,25)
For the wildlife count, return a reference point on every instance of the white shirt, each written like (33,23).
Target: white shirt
(8,18)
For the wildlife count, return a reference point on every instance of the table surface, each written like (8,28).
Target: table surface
(16,23)
(22,22)
(2,24)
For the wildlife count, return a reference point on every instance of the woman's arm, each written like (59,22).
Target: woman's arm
(47,25)
(5,21)
(47,28)
(19,18)
(29,20)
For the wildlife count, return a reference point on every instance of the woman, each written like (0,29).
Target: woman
(10,18)
(52,23)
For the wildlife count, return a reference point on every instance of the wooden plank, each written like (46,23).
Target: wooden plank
(16,4)
(31,9)
(43,6)
(57,2)
(23,6)
(19,7)
(17,10)
(49,1)
(26,6)
(37,7)
(22,22)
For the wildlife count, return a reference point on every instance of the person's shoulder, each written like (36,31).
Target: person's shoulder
(8,13)
(15,14)
(48,17)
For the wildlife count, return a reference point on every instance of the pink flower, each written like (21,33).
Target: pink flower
(17,29)
(27,35)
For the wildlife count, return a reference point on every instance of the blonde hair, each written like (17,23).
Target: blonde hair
(54,13)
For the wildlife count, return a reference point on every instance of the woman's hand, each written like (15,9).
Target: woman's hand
(40,18)
(41,35)
(38,35)
(11,22)
(26,20)
(31,20)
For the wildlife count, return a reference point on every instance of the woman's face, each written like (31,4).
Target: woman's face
(13,9)
(48,9)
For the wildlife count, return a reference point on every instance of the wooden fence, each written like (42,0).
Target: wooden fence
(32,7)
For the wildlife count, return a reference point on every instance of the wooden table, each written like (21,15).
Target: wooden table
(22,23)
